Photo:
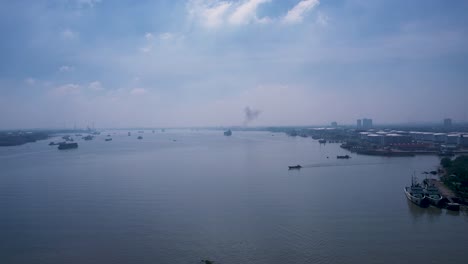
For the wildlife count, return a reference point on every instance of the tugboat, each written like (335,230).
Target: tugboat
(343,157)
(228,133)
(415,193)
(296,167)
(67,146)
(432,193)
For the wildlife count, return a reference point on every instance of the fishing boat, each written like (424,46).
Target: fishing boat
(432,193)
(296,167)
(415,193)
(343,157)
(62,146)
(228,132)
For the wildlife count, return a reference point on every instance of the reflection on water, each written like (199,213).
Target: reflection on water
(417,212)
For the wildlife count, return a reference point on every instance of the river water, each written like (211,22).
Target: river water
(181,196)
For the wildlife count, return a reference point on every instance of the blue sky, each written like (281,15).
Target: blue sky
(201,62)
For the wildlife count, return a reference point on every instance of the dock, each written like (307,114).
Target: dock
(452,198)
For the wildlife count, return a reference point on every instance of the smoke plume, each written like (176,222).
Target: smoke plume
(250,115)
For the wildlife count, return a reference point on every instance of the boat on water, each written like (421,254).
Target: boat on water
(432,193)
(129,134)
(67,146)
(88,137)
(452,206)
(415,193)
(343,157)
(108,139)
(296,167)
(140,137)
(228,132)
(322,141)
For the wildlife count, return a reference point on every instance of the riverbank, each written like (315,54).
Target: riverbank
(20,137)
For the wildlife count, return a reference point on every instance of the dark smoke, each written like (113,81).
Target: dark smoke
(250,115)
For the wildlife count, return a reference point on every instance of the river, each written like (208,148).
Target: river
(184,195)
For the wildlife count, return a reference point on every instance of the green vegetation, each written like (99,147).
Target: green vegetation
(457,174)
(20,138)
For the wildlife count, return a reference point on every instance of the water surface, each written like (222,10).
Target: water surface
(182,196)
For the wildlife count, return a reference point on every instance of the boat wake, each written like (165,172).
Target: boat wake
(321,165)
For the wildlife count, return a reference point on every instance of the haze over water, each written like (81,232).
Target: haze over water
(207,196)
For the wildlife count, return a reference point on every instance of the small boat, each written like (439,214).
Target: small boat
(52,143)
(228,132)
(433,194)
(452,206)
(415,193)
(68,145)
(108,139)
(322,141)
(88,137)
(296,167)
(343,157)
(139,137)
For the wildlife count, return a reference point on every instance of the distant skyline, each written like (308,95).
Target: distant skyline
(231,63)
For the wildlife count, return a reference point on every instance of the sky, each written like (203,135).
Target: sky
(181,63)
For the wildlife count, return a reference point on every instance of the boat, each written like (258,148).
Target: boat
(129,134)
(108,139)
(432,193)
(88,137)
(415,193)
(140,137)
(68,145)
(228,132)
(452,206)
(343,157)
(296,167)
(322,141)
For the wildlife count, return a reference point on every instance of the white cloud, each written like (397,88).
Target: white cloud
(322,19)
(149,36)
(87,3)
(296,14)
(213,16)
(67,89)
(214,13)
(247,13)
(166,36)
(96,86)
(68,34)
(138,91)
(30,81)
(66,68)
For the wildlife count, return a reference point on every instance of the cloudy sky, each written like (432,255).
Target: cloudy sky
(174,63)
